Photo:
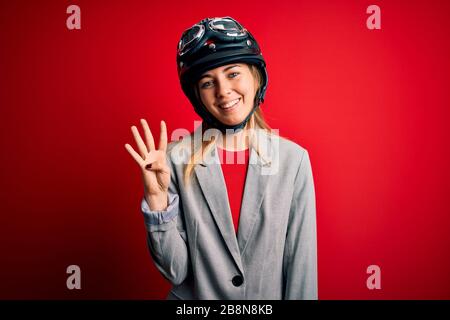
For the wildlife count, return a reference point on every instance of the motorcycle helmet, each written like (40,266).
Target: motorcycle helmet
(212,43)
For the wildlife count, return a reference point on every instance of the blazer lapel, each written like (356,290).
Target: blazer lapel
(210,177)
(258,175)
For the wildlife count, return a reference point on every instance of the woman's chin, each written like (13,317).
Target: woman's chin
(231,121)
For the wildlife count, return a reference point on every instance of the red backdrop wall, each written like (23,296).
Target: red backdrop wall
(371,107)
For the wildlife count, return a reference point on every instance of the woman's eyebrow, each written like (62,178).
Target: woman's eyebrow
(224,70)
(229,67)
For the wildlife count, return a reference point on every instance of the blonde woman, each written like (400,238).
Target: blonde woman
(230,209)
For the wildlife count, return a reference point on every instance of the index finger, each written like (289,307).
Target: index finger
(134,154)
(163,137)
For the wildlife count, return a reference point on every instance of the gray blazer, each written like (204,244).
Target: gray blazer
(274,254)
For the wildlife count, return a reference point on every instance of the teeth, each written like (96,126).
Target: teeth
(229,104)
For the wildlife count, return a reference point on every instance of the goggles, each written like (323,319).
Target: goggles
(225,28)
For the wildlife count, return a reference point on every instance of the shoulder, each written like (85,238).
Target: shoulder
(288,150)
(285,156)
(292,148)
(295,159)
(179,152)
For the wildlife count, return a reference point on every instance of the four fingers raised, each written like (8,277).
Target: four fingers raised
(146,147)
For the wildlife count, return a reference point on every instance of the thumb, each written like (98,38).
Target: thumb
(156,166)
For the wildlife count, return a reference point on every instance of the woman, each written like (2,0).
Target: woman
(218,229)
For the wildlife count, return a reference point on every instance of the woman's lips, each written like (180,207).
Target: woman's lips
(232,107)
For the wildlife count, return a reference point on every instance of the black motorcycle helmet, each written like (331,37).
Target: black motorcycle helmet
(212,43)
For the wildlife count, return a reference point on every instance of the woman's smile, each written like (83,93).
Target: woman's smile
(230,106)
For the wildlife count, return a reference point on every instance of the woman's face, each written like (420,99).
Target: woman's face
(228,92)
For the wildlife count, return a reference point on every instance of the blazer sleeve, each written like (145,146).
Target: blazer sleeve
(166,236)
(300,252)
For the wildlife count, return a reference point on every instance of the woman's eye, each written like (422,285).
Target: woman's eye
(206,84)
(234,74)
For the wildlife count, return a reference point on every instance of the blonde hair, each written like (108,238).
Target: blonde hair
(256,121)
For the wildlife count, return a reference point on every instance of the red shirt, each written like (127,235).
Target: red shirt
(234,168)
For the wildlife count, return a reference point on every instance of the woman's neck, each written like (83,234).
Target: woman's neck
(234,142)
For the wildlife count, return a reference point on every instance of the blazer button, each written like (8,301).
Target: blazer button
(237,281)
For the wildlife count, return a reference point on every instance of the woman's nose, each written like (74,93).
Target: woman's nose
(223,88)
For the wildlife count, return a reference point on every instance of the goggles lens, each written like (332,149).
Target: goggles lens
(189,37)
(228,26)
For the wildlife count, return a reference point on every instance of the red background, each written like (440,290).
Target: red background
(371,107)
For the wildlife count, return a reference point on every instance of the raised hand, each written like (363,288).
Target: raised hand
(154,168)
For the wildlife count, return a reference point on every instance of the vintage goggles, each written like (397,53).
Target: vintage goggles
(225,28)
